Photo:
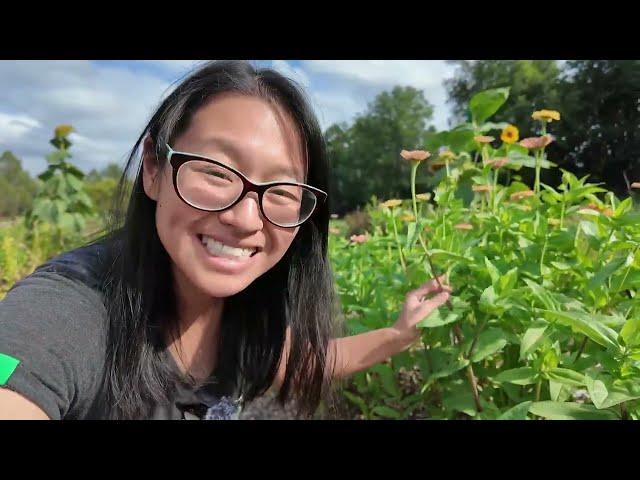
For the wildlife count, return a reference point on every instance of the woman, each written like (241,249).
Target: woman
(213,288)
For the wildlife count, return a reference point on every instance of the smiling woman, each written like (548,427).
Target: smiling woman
(213,284)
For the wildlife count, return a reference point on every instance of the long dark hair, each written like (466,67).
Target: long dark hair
(297,292)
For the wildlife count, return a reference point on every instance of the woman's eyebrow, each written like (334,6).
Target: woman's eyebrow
(277,172)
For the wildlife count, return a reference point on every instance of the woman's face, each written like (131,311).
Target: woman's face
(259,140)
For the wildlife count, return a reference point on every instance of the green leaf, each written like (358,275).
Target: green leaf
(488,300)
(606,393)
(489,342)
(386,412)
(518,376)
(569,411)
(387,379)
(558,391)
(411,235)
(508,280)
(541,294)
(359,402)
(566,376)
(630,332)
(493,271)
(487,127)
(582,322)
(449,369)
(532,338)
(486,103)
(519,412)
(604,273)
(439,317)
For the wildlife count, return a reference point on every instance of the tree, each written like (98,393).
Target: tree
(365,156)
(533,84)
(599,133)
(16,185)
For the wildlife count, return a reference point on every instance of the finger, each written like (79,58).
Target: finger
(434,302)
(429,287)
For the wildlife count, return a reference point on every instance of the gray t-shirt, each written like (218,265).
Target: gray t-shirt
(53,331)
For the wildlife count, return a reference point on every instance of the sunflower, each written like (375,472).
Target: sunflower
(62,131)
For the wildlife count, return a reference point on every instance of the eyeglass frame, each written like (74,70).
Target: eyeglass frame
(247,185)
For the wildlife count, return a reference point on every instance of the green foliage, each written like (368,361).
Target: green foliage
(544,318)
(17,187)
(62,200)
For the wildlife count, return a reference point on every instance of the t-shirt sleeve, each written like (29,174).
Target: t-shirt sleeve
(54,328)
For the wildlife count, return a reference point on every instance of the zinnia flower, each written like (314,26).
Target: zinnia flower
(359,238)
(463,226)
(522,194)
(415,155)
(510,134)
(546,115)
(394,202)
(498,162)
(407,217)
(483,139)
(482,188)
(423,197)
(534,143)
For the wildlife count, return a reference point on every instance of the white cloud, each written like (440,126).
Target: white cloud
(14,127)
(109,103)
(357,82)
(108,106)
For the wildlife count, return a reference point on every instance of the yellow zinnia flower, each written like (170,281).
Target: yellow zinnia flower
(423,197)
(510,134)
(407,217)
(546,115)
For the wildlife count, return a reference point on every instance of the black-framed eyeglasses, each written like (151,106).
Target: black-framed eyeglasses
(209,185)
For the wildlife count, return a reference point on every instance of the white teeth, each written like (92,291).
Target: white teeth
(217,248)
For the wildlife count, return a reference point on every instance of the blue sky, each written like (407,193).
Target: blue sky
(109,102)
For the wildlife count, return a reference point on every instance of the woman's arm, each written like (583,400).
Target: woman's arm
(359,352)
(14,406)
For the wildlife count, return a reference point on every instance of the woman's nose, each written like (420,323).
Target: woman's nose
(244,215)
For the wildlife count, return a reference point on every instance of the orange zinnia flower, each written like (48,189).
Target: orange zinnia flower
(498,162)
(359,238)
(522,194)
(463,226)
(394,202)
(534,143)
(483,139)
(415,155)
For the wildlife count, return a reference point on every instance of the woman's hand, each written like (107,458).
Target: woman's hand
(417,307)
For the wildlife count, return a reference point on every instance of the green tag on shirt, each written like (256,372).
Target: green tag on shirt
(7,366)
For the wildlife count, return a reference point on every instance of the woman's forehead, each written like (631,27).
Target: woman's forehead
(250,131)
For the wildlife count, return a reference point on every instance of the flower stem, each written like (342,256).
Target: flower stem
(395,233)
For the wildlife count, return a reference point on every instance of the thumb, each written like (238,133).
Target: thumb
(434,302)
